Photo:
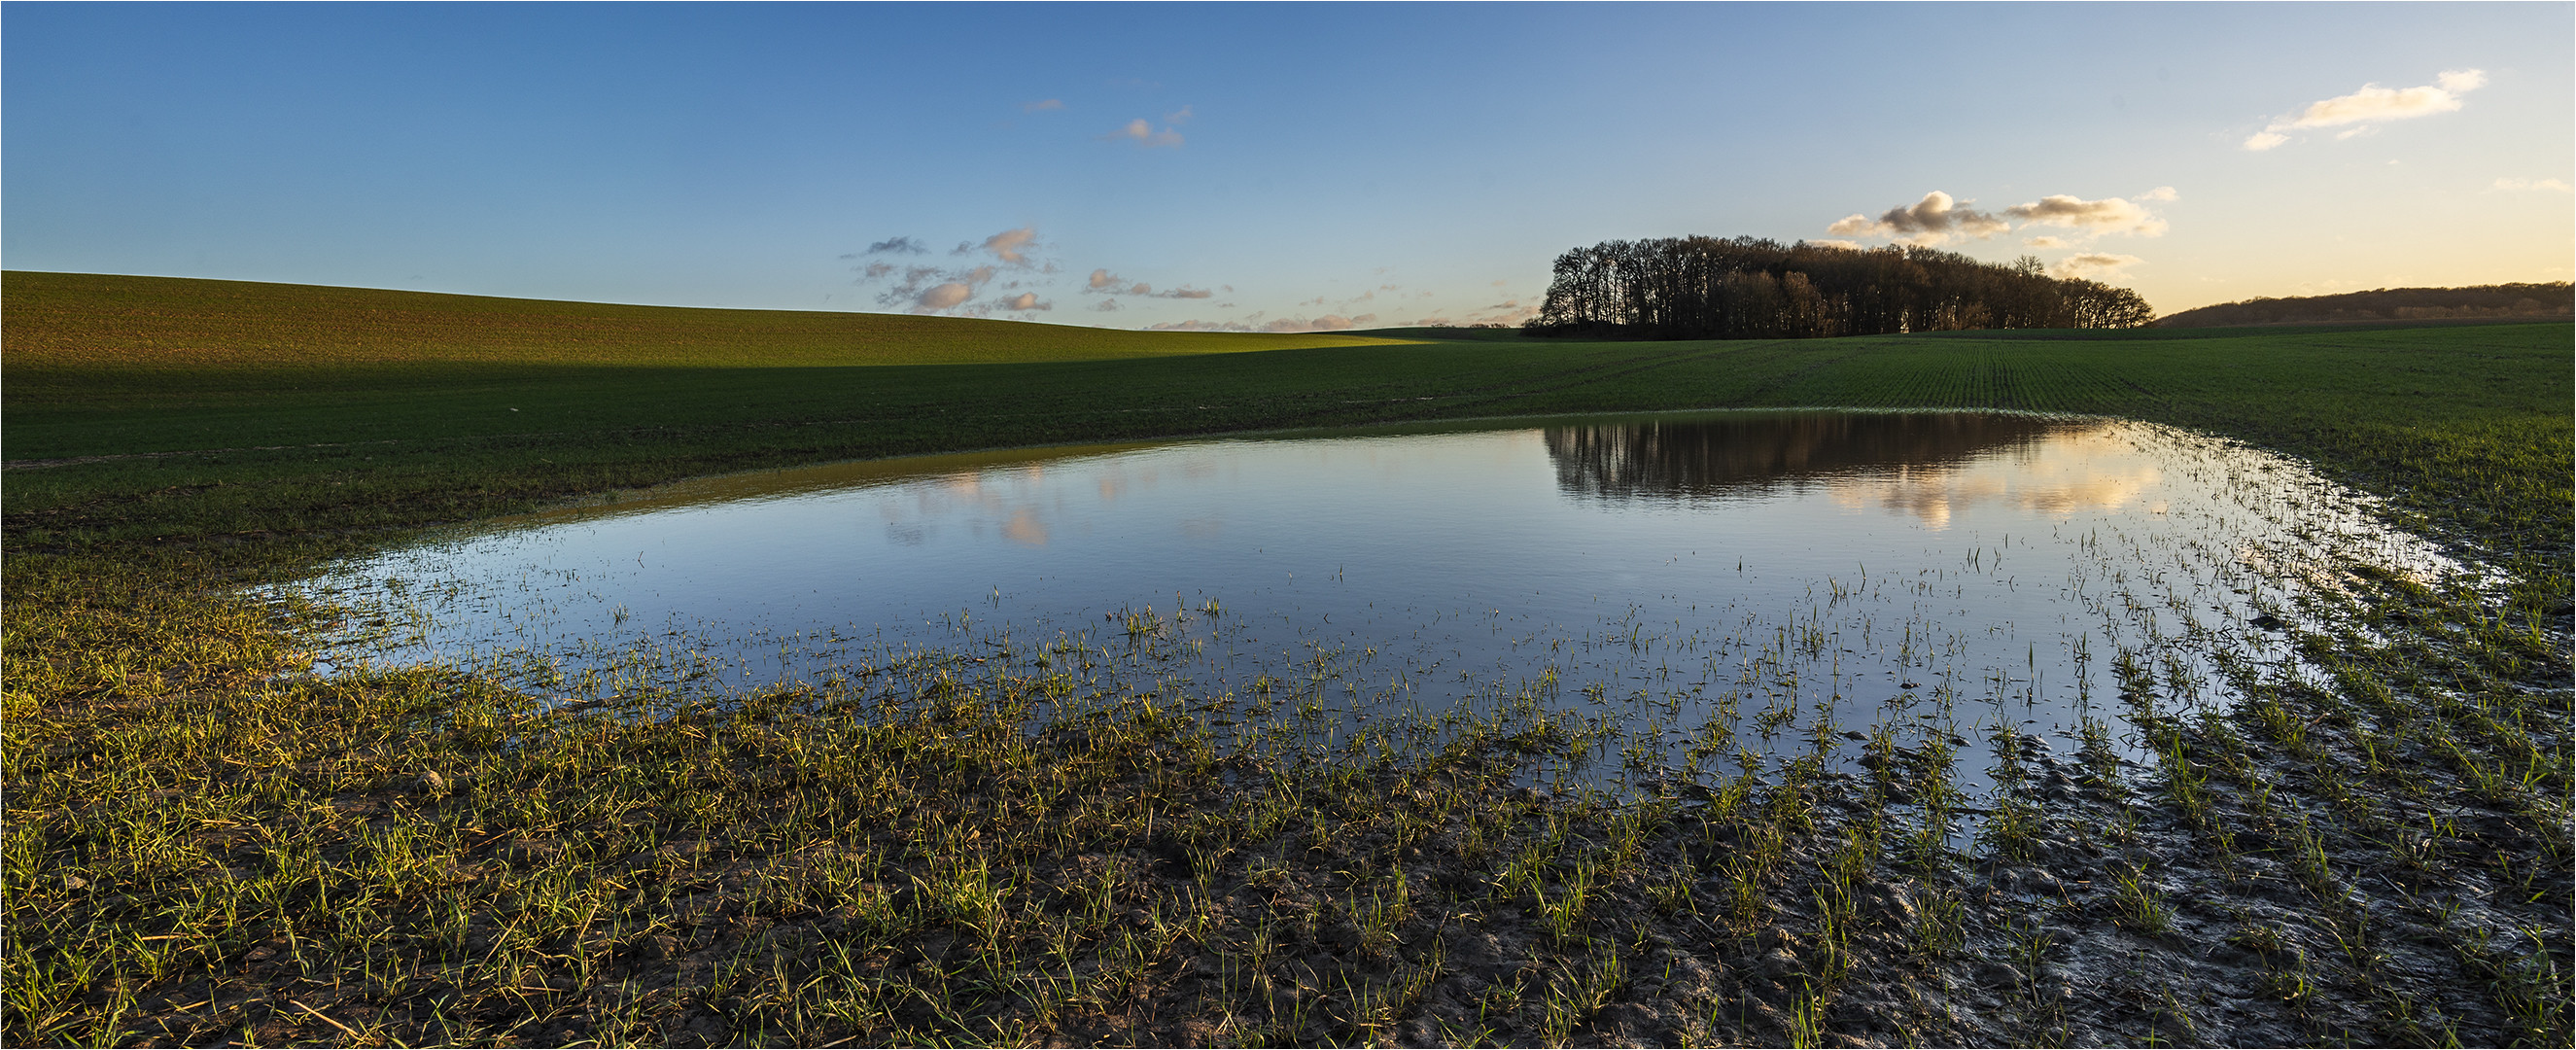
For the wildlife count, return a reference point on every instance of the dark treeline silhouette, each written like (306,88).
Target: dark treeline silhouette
(1746,288)
(2389,304)
(1703,457)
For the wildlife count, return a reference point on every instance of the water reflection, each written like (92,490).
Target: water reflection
(2090,467)
(1665,459)
(1929,466)
(1673,576)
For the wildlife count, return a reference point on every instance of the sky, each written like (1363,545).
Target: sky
(1273,167)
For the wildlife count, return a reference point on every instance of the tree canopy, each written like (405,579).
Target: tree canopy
(1749,288)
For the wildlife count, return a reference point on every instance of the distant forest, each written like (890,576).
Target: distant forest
(2389,304)
(1747,288)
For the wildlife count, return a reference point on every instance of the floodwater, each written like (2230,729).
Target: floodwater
(1791,575)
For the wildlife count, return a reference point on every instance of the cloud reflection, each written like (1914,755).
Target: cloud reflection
(1926,466)
(2059,474)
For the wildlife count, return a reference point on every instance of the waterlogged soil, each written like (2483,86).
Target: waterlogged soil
(936,873)
(2332,809)
(932,861)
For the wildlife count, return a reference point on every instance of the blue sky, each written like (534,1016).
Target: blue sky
(1273,166)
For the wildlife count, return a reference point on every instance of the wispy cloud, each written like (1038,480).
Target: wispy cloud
(1936,218)
(1198,326)
(2095,217)
(1103,282)
(1042,105)
(1326,323)
(2094,265)
(2371,105)
(1141,132)
(953,289)
(2533,184)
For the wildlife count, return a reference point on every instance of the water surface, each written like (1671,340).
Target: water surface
(1785,574)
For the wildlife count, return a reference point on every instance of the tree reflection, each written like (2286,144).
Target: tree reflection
(1671,459)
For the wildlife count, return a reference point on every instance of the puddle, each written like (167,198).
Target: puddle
(1702,584)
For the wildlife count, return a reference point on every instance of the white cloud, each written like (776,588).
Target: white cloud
(1107,305)
(943,296)
(1011,246)
(1849,246)
(2374,104)
(1026,301)
(2534,184)
(1934,219)
(1106,283)
(2108,215)
(2094,265)
(1042,105)
(1141,132)
(1199,326)
(926,289)
(1938,218)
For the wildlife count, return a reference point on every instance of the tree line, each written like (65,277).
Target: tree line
(1749,288)
(2389,304)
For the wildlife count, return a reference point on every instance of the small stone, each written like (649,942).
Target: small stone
(73,882)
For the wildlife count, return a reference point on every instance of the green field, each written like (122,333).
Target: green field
(287,408)
(205,846)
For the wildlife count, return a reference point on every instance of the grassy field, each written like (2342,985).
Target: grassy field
(203,846)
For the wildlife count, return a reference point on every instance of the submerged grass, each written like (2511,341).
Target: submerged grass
(2371,844)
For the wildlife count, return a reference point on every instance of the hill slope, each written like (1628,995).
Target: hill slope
(2521,301)
(82,321)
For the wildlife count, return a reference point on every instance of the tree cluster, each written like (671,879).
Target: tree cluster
(1748,288)
(2389,304)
